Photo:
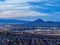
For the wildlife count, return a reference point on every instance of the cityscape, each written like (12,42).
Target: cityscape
(29,22)
(20,34)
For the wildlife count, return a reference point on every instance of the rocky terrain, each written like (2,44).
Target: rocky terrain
(23,38)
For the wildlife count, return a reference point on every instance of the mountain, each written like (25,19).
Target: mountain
(38,22)
(12,21)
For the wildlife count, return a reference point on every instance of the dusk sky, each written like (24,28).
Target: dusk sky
(30,9)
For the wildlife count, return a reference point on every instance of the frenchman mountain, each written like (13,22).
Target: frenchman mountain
(38,22)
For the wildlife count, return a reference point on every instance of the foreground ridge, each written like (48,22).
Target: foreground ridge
(27,38)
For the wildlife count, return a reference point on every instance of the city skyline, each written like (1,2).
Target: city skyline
(30,9)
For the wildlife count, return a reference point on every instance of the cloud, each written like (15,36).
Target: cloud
(30,8)
(15,9)
(18,1)
(20,13)
(48,6)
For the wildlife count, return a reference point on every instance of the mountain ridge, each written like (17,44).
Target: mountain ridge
(38,22)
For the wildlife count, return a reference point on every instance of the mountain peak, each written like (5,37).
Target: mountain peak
(39,20)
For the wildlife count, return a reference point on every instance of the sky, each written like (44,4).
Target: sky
(48,10)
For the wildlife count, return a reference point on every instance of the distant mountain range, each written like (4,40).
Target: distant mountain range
(12,21)
(38,22)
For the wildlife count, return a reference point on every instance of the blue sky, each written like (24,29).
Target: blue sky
(30,9)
